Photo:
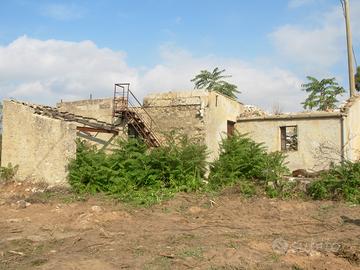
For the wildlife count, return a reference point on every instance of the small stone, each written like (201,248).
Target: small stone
(21,204)
(96,209)
(292,179)
(195,210)
(14,220)
(313,253)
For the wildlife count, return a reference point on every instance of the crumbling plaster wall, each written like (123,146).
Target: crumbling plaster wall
(352,129)
(40,145)
(179,111)
(218,110)
(199,113)
(313,135)
(100,109)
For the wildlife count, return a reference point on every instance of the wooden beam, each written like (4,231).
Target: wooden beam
(100,130)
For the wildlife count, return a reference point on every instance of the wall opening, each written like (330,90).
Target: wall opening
(132,132)
(230,128)
(289,138)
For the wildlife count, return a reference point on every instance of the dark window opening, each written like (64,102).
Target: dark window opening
(230,128)
(132,132)
(289,138)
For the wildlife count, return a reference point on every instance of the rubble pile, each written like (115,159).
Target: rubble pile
(251,110)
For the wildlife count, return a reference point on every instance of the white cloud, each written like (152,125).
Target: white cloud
(260,85)
(62,12)
(47,71)
(318,48)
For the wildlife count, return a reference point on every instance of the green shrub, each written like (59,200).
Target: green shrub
(274,166)
(8,173)
(340,182)
(88,172)
(247,188)
(241,158)
(135,173)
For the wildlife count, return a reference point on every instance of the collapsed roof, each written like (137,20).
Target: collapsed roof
(89,123)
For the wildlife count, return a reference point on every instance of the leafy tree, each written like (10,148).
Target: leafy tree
(322,94)
(357,79)
(214,81)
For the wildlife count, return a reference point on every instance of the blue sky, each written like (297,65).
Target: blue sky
(51,50)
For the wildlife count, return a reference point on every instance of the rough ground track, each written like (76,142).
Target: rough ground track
(56,230)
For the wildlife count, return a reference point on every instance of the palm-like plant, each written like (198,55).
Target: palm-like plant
(322,94)
(213,81)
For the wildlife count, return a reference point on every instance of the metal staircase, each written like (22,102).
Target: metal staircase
(129,109)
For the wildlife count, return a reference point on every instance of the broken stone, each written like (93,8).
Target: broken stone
(96,209)
(14,220)
(21,204)
(251,110)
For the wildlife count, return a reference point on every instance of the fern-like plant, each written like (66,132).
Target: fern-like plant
(241,158)
(133,172)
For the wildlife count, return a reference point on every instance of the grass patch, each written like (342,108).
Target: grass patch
(61,195)
(38,262)
(7,173)
(274,257)
(233,244)
(195,252)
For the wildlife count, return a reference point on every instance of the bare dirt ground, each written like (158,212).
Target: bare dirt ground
(57,230)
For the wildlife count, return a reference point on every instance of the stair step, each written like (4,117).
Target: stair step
(123,109)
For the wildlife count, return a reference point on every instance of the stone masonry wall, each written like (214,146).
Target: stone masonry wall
(184,119)
(100,109)
(40,145)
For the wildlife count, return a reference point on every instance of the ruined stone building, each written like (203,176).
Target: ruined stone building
(42,139)
(311,140)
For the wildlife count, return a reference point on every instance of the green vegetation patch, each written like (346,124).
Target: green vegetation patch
(135,173)
(341,182)
(247,164)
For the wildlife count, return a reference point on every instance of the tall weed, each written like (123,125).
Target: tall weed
(243,159)
(133,172)
(340,182)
